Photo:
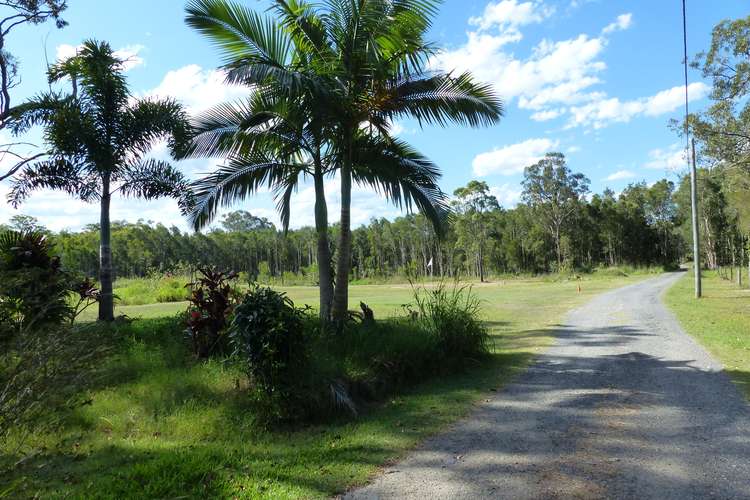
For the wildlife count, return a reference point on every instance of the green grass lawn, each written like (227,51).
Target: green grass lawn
(162,425)
(719,321)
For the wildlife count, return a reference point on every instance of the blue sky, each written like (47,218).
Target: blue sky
(595,79)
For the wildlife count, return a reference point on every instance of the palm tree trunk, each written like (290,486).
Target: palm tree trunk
(325,278)
(106,300)
(343,264)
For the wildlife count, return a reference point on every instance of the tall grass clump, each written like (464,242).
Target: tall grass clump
(452,315)
(152,289)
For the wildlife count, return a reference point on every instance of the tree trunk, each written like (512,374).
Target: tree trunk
(106,300)
(481,263)
(343,264)
(325,278)
(739,265)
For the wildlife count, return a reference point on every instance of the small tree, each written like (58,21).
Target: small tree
(553,192)
(97,138)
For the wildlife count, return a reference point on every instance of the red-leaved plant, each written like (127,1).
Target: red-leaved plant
(211,303)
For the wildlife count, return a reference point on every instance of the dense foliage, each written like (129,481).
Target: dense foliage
(722,135)
(268,336)
(642,226)
(35,291)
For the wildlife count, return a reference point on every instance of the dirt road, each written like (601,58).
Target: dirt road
(625,405)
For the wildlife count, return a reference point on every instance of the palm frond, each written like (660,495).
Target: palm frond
(152,179)
(442,98)
(234,182)
(404,176)
(101,80)
(306,30)
(58,174)
(38,110)
(149,120)
(239,32)
(284,193)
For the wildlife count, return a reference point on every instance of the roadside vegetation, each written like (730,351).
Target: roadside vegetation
(161,423)
(718,320)
(201,380)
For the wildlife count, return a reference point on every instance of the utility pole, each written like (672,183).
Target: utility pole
(691,164)
(694,210)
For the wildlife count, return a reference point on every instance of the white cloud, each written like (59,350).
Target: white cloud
(547,114)
(196,88)
(130,54)
(509,14)
(623,22)
(398,128)
(620,175)
(58,211)
(671,159)
(602,112)
(671,99)
(512,159)
(64,52)
(573,149)
(508,195)
(555,73)
(558,77)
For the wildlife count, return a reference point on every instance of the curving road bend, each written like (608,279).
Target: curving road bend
(625,405)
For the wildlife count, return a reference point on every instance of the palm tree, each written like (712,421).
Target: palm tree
(98,138)
(381,71)
(353,66)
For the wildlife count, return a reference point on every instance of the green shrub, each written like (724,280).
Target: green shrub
(35,291)
(299,371)
(267,336)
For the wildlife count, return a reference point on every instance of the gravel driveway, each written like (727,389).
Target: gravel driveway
(624,405)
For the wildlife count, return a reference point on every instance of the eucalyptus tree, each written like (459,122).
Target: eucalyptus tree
(473,207)
(97,141)
(554,192)
(15,14)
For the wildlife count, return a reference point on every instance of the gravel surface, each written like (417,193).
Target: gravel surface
(624,405)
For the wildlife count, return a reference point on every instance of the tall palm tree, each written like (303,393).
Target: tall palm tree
(354,66)
(381,71)
(97,140)
(265,143)
(275,136)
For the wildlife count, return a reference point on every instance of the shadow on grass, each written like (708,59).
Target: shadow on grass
(155,382)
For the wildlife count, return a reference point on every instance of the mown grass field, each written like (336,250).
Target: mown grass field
(161,425)
(719,321)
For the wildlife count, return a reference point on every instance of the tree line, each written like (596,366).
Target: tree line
(559,226)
